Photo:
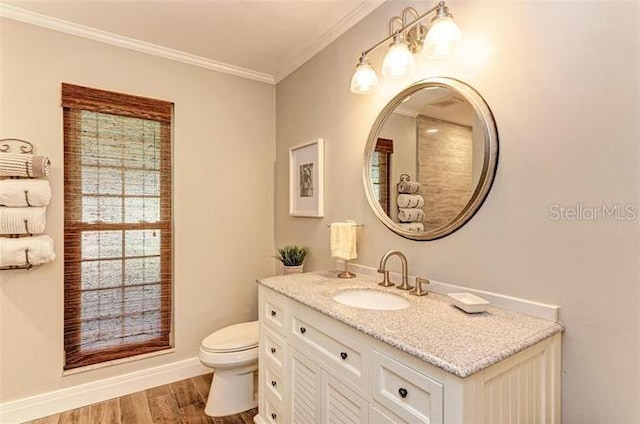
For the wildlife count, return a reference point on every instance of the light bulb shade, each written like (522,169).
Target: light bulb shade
(398,62)
(364,80)
(443,37)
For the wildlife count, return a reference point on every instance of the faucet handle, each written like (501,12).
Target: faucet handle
(385,279)
(418,291)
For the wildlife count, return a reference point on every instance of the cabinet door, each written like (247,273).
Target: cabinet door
(305,389)
(341,405)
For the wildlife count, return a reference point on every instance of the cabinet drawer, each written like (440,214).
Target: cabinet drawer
(274,411)
(273,350)
(274,384)
(273,311)
(329,347)
(411,395)
(378,415)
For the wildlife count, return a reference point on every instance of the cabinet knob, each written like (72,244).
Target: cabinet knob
(273,383)
(273,415)
(303,330)
(273,350)
(403,392)
(273,313)
(343,355)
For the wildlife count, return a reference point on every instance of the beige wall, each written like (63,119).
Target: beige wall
(562,79)
(224,142)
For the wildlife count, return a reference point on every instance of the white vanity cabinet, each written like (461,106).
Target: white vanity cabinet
(315,369)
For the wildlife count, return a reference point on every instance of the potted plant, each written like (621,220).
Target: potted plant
(292,258)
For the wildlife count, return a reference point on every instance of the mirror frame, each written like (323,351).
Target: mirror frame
(489,165)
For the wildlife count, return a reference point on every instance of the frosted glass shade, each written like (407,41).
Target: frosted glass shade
(443,38)
(398,62)
(364,80)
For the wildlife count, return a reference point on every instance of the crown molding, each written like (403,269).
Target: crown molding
(406,112)
(356,15)
(44,21)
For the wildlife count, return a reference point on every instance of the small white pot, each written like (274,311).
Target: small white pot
(296,269)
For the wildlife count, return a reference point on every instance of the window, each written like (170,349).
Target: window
(381,172)
(117,225)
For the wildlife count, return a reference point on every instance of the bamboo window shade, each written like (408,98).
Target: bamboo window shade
(117,225)
(381,172)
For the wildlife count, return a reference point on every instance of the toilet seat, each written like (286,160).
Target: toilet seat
(235,338)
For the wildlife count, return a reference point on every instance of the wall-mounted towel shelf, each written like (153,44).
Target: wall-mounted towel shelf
(409,202)
(14,166)
(8,145)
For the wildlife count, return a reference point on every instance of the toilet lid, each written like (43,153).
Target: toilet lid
(234,338)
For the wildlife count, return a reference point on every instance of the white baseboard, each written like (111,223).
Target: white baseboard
(50,403)
(514,304)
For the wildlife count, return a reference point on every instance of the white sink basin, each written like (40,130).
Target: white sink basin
(371,299)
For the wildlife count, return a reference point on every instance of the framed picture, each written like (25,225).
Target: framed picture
(306,179)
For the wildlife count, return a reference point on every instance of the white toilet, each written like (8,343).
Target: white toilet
(233,354)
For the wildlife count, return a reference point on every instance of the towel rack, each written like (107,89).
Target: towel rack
(8,143)
(18,145)
(26,266)
(24,146)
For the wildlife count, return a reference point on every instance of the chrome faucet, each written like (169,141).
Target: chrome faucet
(382,269)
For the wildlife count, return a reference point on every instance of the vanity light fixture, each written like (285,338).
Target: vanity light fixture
(441,39)
(399,61)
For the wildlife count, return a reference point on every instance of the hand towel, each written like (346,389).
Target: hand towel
(343,240)
(23,165)
(12,250)
(12,220)
(21,193)
(410,201)
(408,187)
(414,227)
(410,215)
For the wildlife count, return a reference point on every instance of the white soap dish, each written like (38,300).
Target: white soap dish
(470,303)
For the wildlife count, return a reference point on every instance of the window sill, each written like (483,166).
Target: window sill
(106,364)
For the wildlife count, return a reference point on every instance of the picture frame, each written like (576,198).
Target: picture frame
(306,179)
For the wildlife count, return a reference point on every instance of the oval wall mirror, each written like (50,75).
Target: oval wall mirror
(431,158)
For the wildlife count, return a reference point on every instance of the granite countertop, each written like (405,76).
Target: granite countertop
(431,328)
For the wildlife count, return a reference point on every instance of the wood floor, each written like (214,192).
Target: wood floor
(179,402)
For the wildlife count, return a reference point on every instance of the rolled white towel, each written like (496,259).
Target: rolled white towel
(408,187)
(13,251)
(23,165)
(12,220)
(414,227)
(410,201)
(20,193)
(343,240)
(410,215)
